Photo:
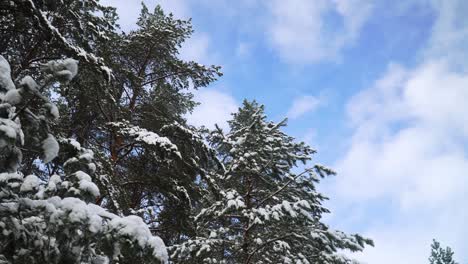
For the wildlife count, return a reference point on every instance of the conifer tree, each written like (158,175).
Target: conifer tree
(156,161)
(54,219)
(127,103)
(267,211)
(440,255)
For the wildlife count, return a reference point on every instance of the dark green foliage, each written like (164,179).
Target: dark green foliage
(54,219)
(133,78)
(239,199)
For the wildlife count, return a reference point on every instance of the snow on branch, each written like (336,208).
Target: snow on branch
(54,219)
(71,215)
(79,52)
(142,135)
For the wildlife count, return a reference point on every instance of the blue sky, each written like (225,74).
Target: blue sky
(378,87)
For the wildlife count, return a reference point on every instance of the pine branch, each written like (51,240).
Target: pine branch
(73,50)
(262,246)
(281,188)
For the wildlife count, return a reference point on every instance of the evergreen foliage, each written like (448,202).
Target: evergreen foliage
(133,79)
(266,212)
(96,161)
(54,219)
(440,255)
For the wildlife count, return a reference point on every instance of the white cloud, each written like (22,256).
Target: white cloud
(197,48)
(303,105)
(409,131)
(409,147)
(408,150)
(300,30)
(215,108)
(409,243)
(450,32)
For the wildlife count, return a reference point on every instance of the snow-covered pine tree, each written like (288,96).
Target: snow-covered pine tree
(267,212)
(146,97)
(156,161)
(53,219)
(440,255)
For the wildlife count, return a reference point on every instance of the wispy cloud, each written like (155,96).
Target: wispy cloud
(413,131)
(197,48)
(299,29)
(215,108)
(303,105)
(408,146)
(450,31)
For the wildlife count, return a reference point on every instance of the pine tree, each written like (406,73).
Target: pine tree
(440,255)
(132,87)
(149,96)
(266,212)
(54,219)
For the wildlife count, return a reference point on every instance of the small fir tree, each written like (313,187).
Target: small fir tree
(440,255)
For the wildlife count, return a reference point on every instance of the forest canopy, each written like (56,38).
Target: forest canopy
(98,163)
